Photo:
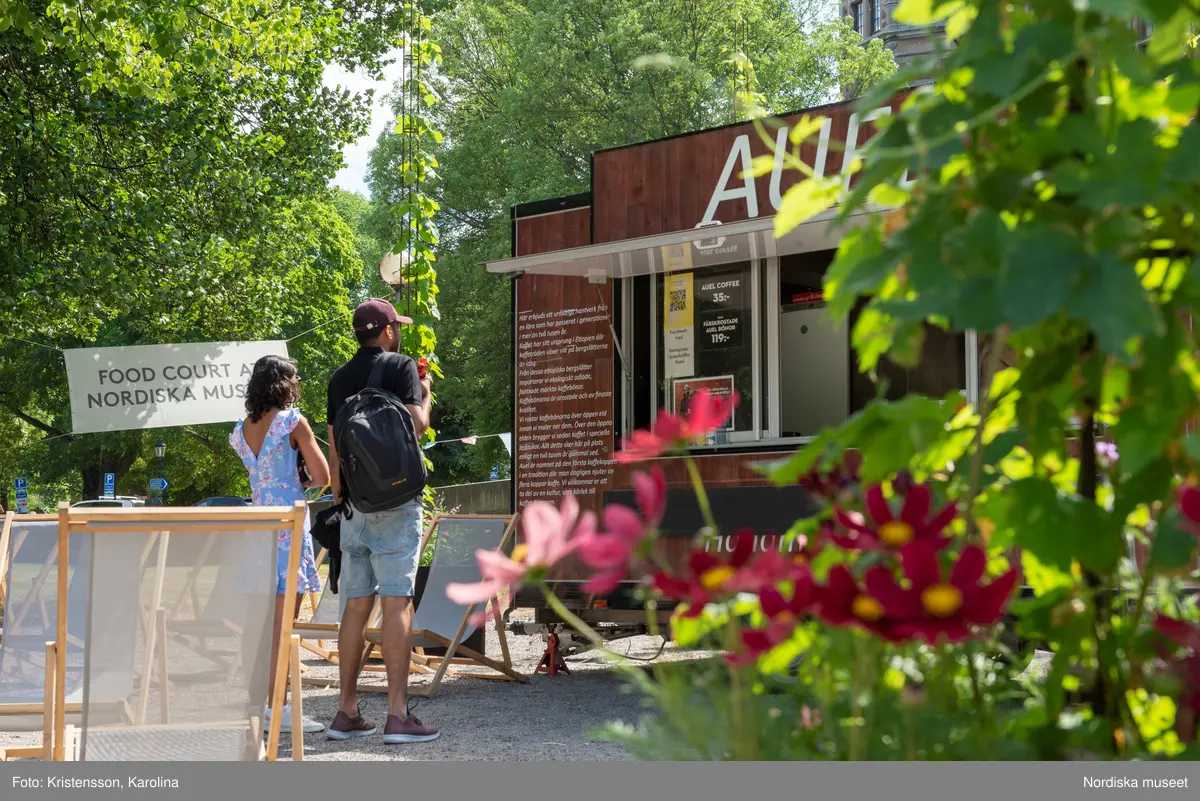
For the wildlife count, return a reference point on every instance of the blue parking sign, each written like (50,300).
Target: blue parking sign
(21,485)
(110,483)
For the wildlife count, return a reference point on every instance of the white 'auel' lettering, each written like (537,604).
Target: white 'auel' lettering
(740,160)
(740,152)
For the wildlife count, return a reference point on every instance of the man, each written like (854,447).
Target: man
(380,551)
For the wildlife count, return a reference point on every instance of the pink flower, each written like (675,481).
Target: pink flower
(550,534)
(892,532)
(706,413)
(610,551)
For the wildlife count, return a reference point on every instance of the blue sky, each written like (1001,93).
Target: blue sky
(353,175)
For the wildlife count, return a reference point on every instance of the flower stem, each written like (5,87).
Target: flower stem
(742,749)
(701,496)
(856,733)
(985,715)
(990,368)
(1140,605)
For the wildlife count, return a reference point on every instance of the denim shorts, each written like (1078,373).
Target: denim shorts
(380,553)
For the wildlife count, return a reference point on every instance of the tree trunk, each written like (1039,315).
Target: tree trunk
(108,462)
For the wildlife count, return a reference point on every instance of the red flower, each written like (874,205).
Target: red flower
(1187,708)
(829,484)
(1189,507)
(913,525)
(706,413)
(610,551)
(710,577)
(933,608)
(774,566)
(782,618)
(841,602)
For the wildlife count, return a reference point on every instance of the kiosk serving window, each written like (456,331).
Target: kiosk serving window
(820,383)
(706,340)
(760,327)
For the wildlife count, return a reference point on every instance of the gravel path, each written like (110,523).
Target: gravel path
(546,719)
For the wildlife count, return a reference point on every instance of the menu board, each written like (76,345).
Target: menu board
(564,390)
(721,310)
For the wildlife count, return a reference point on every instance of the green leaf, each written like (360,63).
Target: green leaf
(1110,298)
(780,658)
(1037,277)
(806,200)
(1043,578)
(1173,547)
(1169,39)
(1059,530)
(923,13)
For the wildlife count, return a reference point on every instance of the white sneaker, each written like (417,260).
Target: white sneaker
(285,722)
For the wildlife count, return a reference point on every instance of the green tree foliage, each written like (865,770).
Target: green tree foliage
(163,174)
(535,87)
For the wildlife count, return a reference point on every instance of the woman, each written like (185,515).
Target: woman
(268,441)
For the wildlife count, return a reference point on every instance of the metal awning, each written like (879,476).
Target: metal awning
(718,244)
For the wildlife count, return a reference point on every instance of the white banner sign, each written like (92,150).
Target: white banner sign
(158,386)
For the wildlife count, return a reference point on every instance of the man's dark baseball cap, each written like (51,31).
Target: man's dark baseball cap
(376,314)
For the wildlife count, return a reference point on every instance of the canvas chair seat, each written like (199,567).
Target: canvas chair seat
(232,742)
(30,567)
(215,716)
(220,618)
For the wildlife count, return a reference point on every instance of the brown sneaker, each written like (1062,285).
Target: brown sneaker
(345,727)
(407,730)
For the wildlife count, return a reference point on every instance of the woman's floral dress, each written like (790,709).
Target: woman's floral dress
(274,482)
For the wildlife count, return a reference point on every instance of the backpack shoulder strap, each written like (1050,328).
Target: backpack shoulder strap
(376,379)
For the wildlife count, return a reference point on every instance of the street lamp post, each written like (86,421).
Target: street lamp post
(160,450)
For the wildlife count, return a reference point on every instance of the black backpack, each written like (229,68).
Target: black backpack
(381,460)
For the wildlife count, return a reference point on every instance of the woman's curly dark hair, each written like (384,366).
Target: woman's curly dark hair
(274,384)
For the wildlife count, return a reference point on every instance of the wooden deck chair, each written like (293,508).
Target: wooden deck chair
(223,719)
(30,563)
(5,538)
(322,628)
(441,623)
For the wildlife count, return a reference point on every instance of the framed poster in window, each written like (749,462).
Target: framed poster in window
(684,389)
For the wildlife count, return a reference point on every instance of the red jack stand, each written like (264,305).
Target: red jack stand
(552,661)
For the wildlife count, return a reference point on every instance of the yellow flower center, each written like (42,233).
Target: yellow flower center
(896,533)
(867,608)
(520,552)
(715,578)
(941,600)
(785,617)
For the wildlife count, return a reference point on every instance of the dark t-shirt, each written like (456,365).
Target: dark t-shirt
(400,378)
